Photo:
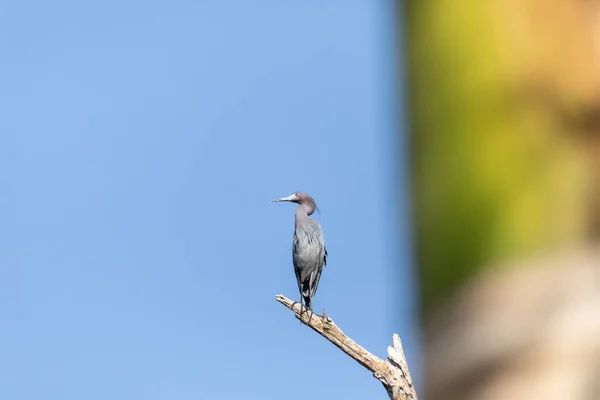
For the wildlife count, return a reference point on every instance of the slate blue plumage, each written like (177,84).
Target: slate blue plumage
(309,254)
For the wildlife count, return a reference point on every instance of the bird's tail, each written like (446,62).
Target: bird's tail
(307,301)
(306,293)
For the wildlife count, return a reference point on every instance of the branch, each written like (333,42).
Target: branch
(393,373)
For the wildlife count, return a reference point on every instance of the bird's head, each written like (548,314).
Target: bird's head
(300,198)
(296,197)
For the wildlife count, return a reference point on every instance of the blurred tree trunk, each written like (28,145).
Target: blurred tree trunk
(525,330)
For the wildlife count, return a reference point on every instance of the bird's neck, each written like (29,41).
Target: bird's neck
(308,206)
(302,213)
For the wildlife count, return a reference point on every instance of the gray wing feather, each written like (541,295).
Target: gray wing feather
(310,256)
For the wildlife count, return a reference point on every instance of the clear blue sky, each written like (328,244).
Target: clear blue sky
(140,143)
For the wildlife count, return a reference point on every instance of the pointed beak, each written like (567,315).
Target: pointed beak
(289,198)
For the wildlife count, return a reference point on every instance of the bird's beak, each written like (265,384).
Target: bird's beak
(289,198)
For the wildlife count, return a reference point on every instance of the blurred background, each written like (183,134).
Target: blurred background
(453,148)
(505,167)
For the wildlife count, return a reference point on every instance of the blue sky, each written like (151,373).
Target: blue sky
(141,142)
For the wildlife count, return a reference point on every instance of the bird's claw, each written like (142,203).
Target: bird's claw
(294,303)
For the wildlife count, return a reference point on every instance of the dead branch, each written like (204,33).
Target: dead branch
(393,373)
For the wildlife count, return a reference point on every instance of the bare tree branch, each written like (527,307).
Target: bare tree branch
(393,373)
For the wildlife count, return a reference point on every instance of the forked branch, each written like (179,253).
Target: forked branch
(393,373)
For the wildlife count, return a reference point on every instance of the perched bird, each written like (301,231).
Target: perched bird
(308,251)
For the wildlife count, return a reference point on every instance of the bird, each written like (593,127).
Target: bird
(309,253)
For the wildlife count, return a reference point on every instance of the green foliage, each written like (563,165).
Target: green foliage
(495,175)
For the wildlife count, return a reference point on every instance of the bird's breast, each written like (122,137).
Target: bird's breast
(308,247)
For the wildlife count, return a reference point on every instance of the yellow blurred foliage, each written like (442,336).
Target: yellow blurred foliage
(500,95)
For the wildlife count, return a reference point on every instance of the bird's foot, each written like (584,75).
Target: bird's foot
(294,303)
(302,310)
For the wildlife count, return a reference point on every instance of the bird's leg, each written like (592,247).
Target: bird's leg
(302,311)
(310,317)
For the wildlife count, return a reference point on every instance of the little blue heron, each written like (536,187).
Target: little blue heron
(308,251)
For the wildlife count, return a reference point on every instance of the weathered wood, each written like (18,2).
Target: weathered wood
(392,373)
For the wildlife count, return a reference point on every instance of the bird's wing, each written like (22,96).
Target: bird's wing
(296,267)
(315,277)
